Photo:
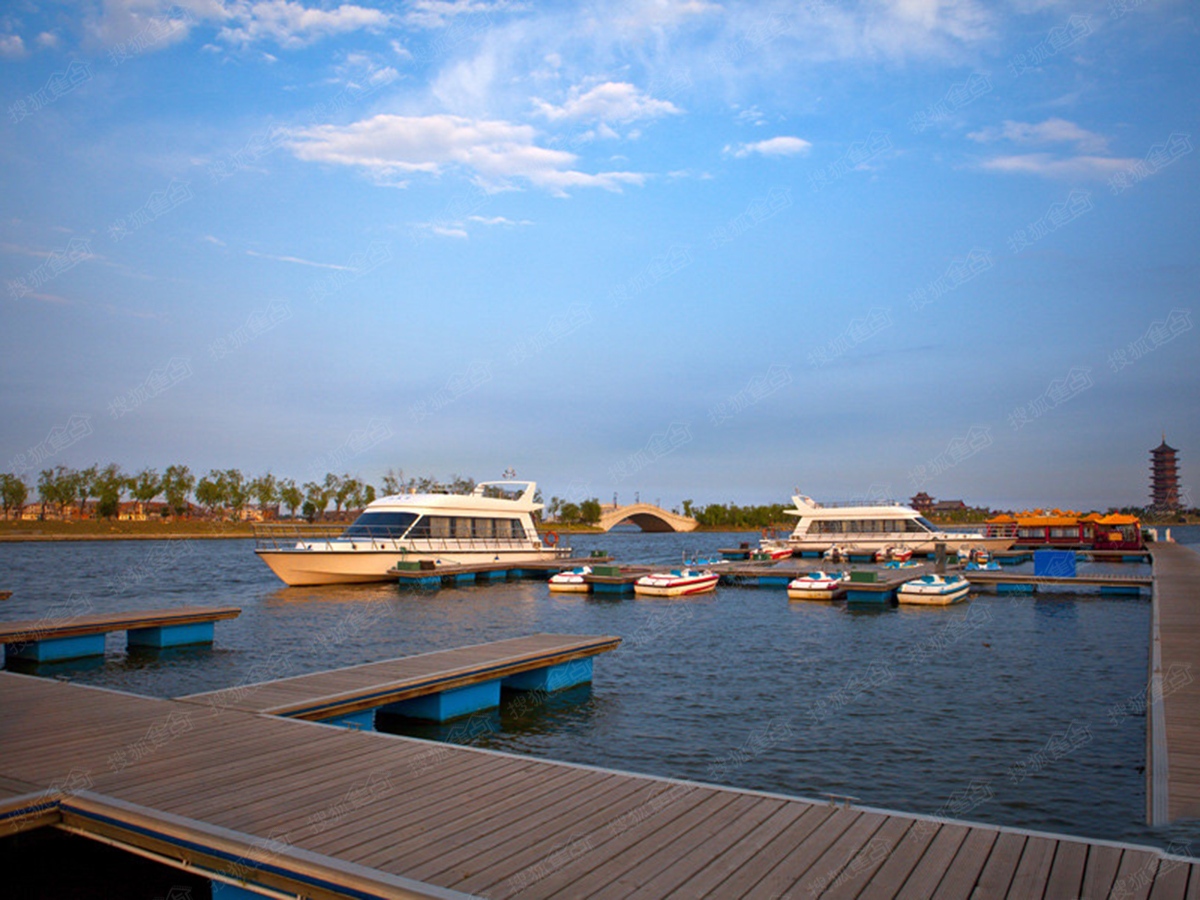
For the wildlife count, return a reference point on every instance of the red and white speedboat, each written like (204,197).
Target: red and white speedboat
(676,583)
(899,554)
(817,586)
(571,581)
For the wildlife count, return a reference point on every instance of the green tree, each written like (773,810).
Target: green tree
(291,496)
(589,511)
(110,484)
(553,507)
(368,494)
(177,483)
(317,496)
(569,513)
(265,490)
(13,493)
(56,487)
(687,508)
(393,482)
(83,485)
(147,484)
(210,491)
(237,491)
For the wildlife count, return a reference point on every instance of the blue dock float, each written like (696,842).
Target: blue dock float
(76,636)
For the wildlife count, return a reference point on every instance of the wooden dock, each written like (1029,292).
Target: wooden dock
(992,577)
(312,810)
(349,690)
(70,634)
(434,576)
(1173,698)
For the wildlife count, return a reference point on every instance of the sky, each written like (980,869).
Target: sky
(672,249)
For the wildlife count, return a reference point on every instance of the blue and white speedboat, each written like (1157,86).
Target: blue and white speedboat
(934,590)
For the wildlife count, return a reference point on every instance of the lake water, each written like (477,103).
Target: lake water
(1019,711)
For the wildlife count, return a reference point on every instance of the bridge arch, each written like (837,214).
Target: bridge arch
(647,517)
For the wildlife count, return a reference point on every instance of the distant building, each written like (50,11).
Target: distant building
(1164,477)
(948,506)
(922,503)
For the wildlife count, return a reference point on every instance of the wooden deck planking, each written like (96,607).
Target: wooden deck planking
(968,863)
(25,631)
(707,836)
(805,875)
(1177,615)
(680,867)
(501,825)
(522,858)
(1000,867)
(925,877)
(711,872)
(903,859)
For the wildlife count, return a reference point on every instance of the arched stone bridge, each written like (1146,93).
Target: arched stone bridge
(647,517)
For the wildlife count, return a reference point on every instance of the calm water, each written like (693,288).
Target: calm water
(1008,710)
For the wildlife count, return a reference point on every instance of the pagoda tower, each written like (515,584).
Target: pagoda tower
(1164,477)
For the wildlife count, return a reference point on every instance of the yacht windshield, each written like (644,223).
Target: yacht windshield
(926,524)
(390,525)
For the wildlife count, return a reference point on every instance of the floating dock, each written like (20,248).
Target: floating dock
(269,805)
(72,636)
(1173,698)
(435,576)
(437,686)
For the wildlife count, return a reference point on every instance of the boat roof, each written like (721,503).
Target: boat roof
(474,502)
(854,509)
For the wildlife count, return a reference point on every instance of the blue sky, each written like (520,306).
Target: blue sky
(685,249)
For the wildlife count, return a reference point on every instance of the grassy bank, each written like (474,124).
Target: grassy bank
(102,529)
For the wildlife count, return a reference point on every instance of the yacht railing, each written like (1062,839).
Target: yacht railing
(295,537)
(982,529)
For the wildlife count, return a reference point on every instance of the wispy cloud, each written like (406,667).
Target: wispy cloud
(1086,162)
(297,260)
(12,46)
(492,152)
(784,145)
(439,13)
(613,101)
(293,25)
(1050,166)
(1051,131)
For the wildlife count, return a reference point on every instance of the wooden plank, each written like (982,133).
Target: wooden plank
(964,871)
(867,862)
(1171,880)
(804,875)
(924,879)
(776,848)
(998,873)
(1033,871)
(1066,874)
(1100,871)
(25,631)
(1135,875)
(708,837)
(890,877)
(517,860)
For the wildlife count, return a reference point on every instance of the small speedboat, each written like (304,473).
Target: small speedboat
(775,549)
(817,586)
(934,590)
(571,581)
(983,566)
(676,583)
(906,564)
(836,554)
(899,554)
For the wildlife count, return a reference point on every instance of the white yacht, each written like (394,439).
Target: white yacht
(867,526)
(493,523)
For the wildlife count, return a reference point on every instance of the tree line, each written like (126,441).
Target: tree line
(221,491)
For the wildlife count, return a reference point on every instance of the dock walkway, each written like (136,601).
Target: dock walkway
(303,808)
(345,691)
(1173,714)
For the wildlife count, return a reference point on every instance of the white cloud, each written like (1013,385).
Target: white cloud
(48,40)
(291,24)
(11,46)
(497,220)
(1051,131)
(438,13)
(449,231)
(1050,166)
(613,101)
(784,145)
(298,261)
(493,152)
